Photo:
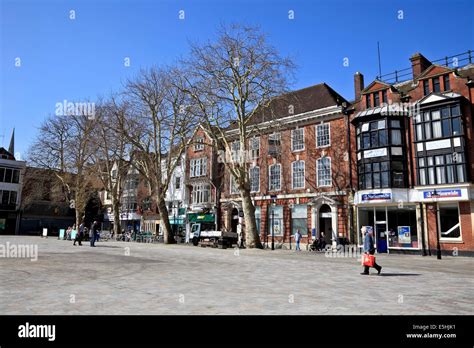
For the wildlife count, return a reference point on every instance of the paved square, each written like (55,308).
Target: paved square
(181,279)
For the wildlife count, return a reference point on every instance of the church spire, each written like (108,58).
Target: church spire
(11,148)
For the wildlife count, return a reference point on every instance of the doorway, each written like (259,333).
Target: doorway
(325,223)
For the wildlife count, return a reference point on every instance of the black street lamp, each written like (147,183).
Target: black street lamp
(436,209)
(273,226)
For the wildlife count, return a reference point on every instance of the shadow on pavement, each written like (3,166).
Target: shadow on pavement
(398,274)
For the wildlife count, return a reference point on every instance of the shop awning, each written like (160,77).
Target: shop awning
(201,217)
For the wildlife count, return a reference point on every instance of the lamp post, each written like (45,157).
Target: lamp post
(438,248)
(273,226)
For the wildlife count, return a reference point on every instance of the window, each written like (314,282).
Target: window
(254,179)
(376,99)
(199,146)
(201,194)
(235,150)
(439,123)
(449,221)
(442,169)
(323,135)
(275,177)
(274,141)
(299,219)
(114,174)
(254,147)
(198,167)
(297,139)
(374,134)
(367,101)
(396,137)
(384,96)
(447,86)
(323,171)
(374,175)
(426,87)
(8,175)
(298,174)
(233,185)
(275,220)
(436,87)
(177,182)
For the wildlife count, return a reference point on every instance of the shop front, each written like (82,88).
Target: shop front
(392,217)
(449,211)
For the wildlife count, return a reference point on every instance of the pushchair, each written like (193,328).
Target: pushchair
(318,245)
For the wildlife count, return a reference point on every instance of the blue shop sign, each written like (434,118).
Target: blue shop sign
(442,194)
(376,197)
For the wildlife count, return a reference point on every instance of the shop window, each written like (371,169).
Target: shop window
(402,229)
(448,215)
(299,219)
(275,220)
(258,217)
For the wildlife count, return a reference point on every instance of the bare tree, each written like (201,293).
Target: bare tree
(63,146)
(231,81)
(157,127)
(110,153)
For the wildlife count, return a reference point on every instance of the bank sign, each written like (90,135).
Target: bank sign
(442,194)
(369,197)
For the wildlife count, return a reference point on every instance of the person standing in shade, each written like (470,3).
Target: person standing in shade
(369,248)
(79,234)
(298,237)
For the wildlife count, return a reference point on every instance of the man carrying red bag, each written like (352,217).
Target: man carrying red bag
(368,257)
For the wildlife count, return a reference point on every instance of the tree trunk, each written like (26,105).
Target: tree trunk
(165,222)
(116,209)
(78,218)
(251,234)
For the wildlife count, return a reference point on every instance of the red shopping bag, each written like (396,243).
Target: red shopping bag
(368,260)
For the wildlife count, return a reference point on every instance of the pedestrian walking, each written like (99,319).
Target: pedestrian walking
(298,237)
(369,249)
(79,234)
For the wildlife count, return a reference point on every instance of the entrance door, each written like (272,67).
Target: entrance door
(325,223)
(234,220)
(381,237)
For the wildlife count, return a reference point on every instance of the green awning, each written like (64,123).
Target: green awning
(201,217)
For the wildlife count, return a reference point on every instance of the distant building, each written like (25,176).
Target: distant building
(44,203)
(11,182)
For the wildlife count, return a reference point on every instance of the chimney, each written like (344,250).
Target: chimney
(358,84)
(419,64)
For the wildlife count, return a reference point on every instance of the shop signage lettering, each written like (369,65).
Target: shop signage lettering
(442,194)
(375,153)
(376,197)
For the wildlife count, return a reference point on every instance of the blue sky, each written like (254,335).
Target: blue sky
(83,58)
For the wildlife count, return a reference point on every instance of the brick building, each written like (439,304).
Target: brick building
(202,181)
(299,168)
(415,158)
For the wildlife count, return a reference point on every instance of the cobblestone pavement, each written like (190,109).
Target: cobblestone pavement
(136,278)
